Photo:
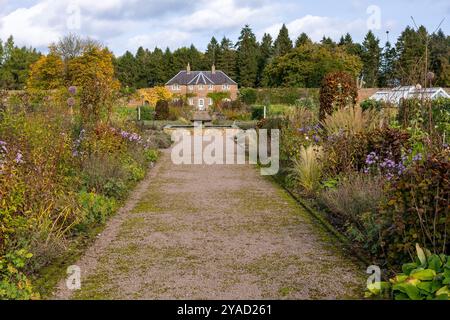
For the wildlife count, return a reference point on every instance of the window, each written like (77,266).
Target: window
(226,87)
(176,87)
(191,101)
(200,87)
(191,88)
(210,101)
(211,87)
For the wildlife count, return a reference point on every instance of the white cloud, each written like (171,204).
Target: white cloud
(317,27)
(161,39)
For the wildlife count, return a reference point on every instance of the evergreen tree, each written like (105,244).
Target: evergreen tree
(126,70)
(327,41)
(227,59)
(410,48)
(302,40)
(440,58)
(283,44)
(247,58)
(387,71)
(371,59)
(170,71)
(213,51)
(266,51)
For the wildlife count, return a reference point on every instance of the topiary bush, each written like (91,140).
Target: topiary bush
(337,91)
(162,111)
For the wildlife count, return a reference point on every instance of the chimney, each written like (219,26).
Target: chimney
(213,69)
(188,68)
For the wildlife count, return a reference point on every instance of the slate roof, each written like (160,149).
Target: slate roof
(201,77)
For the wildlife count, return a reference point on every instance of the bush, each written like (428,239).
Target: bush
(338,90)
(257,112)
(147,113)
(371,104)
(417,209)
(426,278)
(96,208)
(162,110)
(354,203)
(14,284)
(248,95)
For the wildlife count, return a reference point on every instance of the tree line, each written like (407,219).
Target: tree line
(279,62)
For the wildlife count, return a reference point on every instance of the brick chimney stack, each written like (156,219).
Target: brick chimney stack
(188,68)
(213,69)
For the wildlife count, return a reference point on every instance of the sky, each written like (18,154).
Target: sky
(127,24)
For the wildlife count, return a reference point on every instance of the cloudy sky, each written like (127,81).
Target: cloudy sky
(127,24)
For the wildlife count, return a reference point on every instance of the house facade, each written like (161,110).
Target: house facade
(196,85)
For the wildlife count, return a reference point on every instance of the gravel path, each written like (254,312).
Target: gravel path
(214,232)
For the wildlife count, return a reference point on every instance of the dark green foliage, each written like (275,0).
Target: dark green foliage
(338,90)
(14,64)
(306,66)
(247,58)
(417,210)
(283,44)
(257,112)
(162,110)
(370,104)
(248,95)
(371,59)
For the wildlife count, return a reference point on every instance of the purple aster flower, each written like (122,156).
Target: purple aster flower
(73,90)
(19,157)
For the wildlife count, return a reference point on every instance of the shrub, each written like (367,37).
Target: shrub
(426,278)
(417,209)
(96,208)
(162,110)
(338,90)
(307,170)
(151,155)
(14,284)
(354,203)
(147,113)
(371,104)
(248,95)
(257,112)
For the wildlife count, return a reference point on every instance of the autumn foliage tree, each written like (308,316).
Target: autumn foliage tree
(91,70)
(338,90)
(93,73)
(47,73)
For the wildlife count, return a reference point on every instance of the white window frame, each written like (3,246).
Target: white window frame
(191,101)
(176,87)
(202,105)
(226,87)
(200,87)
(211,87)
(191,87)
(210,101)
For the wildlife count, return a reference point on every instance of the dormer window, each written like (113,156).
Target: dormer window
(211,87)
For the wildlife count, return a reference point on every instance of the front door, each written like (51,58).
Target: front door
(201,104)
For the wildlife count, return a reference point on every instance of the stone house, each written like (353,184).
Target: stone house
(196,85)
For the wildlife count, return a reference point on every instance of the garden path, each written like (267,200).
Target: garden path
(214,232)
